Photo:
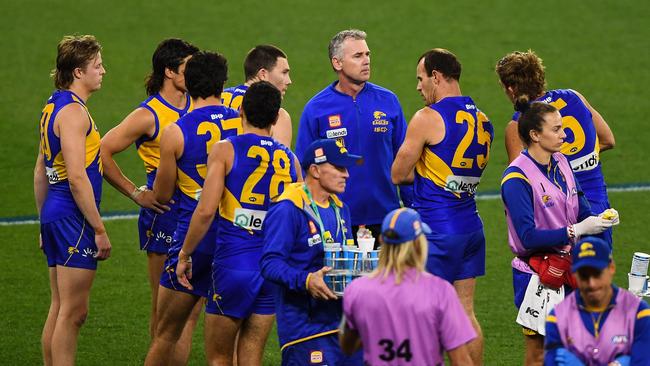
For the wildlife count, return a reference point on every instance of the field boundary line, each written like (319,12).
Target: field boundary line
(122,215)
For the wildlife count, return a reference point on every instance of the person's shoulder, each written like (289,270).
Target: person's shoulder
(322,96)
(379,89)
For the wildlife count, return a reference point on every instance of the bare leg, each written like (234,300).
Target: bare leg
(465,289)
(184,344)
(74,292)
(220,334)
(174,308)
(252,339)
(48,328)
(534,350)
(155,267)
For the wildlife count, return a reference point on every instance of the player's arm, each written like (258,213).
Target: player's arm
(349,339)
(459,356)
(605,135)
(41,185)
(219,162)
(426,128)
(282,130)
(138,123)
(299,177)
(513,142)
(171,148)
(73,147)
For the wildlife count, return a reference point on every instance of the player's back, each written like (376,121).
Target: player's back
(149,146)
(581,143)
(60,202)
(234,96)
(261,168)
(201,128)
(448,173)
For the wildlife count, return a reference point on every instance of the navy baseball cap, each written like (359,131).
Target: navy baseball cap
(328,151)
(402,225)
(591,251)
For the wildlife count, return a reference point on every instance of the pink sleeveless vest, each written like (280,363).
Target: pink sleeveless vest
(615,337)
(552,208)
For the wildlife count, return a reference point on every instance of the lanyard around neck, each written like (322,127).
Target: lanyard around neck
(337,212)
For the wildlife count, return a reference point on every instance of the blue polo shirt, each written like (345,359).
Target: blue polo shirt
(371,125)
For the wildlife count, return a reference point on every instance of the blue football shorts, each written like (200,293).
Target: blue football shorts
(69,242)
(201,273)
(456,256)
(239,293)
(156,231)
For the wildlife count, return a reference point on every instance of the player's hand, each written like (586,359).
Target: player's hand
(103,246)
(620,361)
(317,287)
(592,225)
(184,270)
(564,357)
(147,199)
(612,215)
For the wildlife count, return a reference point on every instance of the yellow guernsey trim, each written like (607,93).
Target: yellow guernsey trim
(228,205)
(187,185)
(643,313)
(551,319)
(295,193)
(308,338)
(432,167)
(514,175)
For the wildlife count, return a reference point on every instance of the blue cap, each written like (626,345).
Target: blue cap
(328,151)
(591,251)
(402,225)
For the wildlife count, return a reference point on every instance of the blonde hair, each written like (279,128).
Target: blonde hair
(398,258)
(73,52)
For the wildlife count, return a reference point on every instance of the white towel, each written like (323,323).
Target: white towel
(538,302)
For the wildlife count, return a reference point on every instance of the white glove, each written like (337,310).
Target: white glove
(612,215)
(591,225)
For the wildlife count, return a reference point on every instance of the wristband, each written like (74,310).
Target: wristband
(307,281)
(137,190)
(184,257)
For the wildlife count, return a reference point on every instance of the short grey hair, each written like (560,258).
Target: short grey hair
(335,47)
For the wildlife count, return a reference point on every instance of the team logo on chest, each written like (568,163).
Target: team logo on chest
(547,201)
(379,122)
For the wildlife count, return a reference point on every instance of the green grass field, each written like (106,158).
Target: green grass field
(599,48)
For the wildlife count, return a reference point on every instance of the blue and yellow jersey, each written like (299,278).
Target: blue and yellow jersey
(233,97)
(448,173)
(581,144)
(261,169)
(201,128)
(149,146)
(59,202)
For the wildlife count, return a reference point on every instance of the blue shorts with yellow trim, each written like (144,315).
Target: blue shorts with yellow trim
(156,230)
(456,256)
(201,272)
(69,242)
(239,293)
(324,350)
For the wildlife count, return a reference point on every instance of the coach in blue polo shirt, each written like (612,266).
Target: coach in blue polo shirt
(368,120)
